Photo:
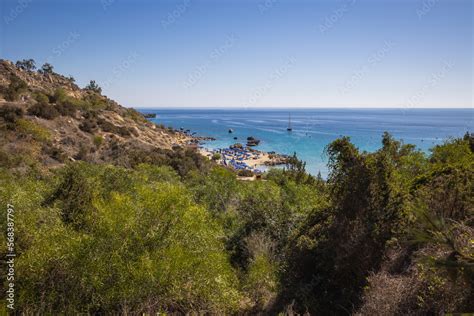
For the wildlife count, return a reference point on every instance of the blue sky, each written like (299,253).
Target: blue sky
(262,53)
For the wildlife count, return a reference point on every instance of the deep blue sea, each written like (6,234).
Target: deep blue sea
(313,129)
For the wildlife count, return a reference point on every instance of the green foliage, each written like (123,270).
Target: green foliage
(98,140)
(138,246)
(261,281)
(11,114)
(70,105)
(47,68)
(41,98)
(216,156)
(15,88)
(94,101)
(442,202)
(389,232)
(94,87)
(245,173)
(26,64)
(59,96)
(66,108)
(336,249)
(149,173)
(36,131)
(44,110)
(296,169)
(457,151)
(217,190)
(75,193)
(135,115)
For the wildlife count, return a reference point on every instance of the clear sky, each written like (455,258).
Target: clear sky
(262,53)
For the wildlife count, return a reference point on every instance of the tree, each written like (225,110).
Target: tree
(26,64)
(93,86)
(47,68)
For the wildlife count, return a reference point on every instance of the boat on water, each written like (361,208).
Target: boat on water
(289,128)
(231,130)
(251,141)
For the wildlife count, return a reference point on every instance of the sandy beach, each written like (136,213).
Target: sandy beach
(253,158)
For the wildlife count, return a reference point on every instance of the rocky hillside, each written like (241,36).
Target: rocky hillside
(46,118)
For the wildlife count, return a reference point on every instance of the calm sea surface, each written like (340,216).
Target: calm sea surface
(313,129)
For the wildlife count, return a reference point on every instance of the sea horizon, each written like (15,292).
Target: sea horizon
(315,128)
(291,108)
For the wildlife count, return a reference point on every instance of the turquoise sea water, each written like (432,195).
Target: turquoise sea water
(313,129)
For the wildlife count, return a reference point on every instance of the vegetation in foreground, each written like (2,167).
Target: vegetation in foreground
(390,232)
(155,230)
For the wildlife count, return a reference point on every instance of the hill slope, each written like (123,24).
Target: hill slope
(47,116)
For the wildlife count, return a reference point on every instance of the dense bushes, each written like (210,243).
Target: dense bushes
(183,160)
(59,103)
(136,246)
(377,202)
(389,233)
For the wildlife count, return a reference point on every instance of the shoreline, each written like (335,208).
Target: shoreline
(243,158)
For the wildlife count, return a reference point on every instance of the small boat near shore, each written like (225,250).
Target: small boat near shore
(251,141)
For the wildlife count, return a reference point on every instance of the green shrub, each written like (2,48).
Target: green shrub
(261,280)
(216,156)
(66,109)
(15,88)
(149,173)
(388,233)
(11,114)
(76,103)
(88,125)
(34,130)
(26,64)
(215,190)
(135,115)
(59,96)
(47,68)
(43,110)
(83,152)
(141,247)
(41,98)
(94,101)
(245,173)
(93,86)
(98,140)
